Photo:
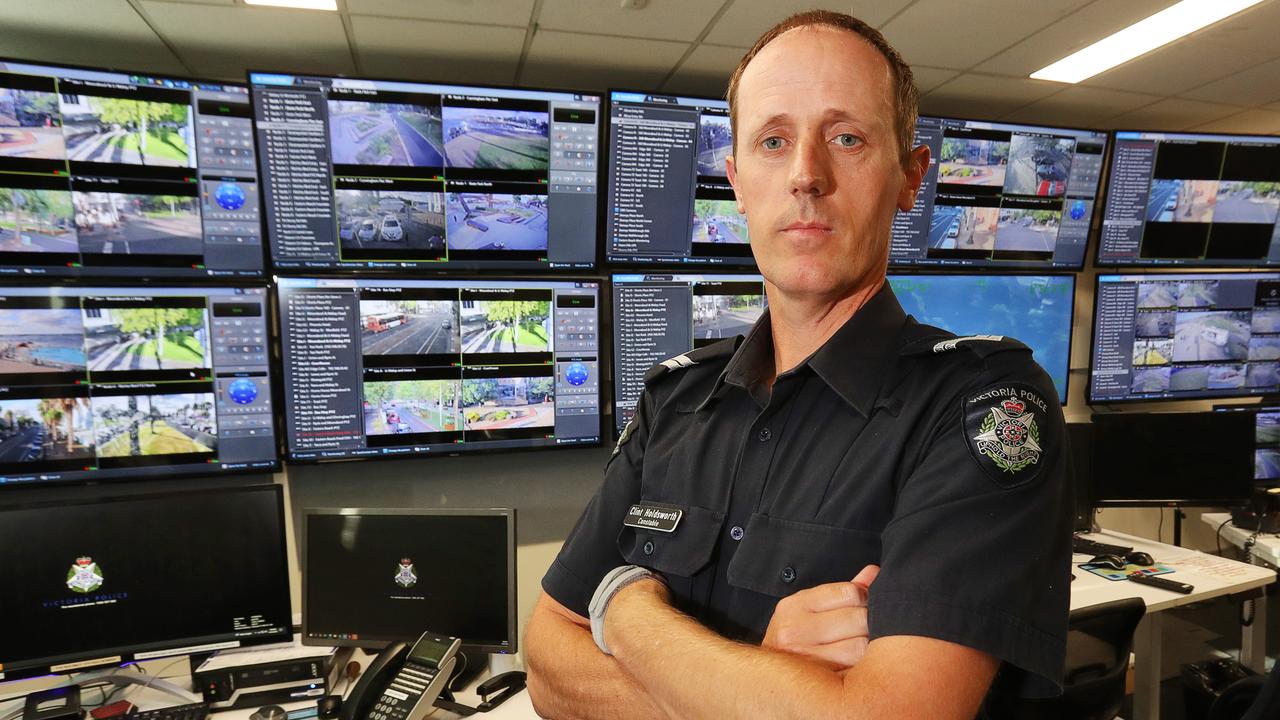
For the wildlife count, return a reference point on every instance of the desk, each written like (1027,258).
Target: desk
(1212,577)
(1266,549)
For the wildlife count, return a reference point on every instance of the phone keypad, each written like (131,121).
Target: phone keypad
(399,699)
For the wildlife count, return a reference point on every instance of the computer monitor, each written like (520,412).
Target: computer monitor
(1185,336)
(107,173)
(1192,199)
(373,577)
(1035,309)
(113,383)
(1266,440)
(661,315)
(1196,458)
(379,175)
(388,368)
(100,580)
(1002,195)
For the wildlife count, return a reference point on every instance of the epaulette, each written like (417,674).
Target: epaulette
(981,345)
(703,355)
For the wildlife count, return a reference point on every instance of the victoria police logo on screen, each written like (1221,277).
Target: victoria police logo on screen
(84,576)
(1003,426)
(406,577)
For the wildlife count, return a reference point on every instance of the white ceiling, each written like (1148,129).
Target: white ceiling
(971,57)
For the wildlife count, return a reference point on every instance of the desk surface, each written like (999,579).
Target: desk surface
(1266,547)
(1211,575)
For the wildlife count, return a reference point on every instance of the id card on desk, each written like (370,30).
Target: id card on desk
(1111,573)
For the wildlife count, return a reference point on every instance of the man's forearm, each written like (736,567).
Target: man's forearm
(570,679)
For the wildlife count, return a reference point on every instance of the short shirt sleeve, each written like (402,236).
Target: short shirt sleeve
(591,549)
(978,550)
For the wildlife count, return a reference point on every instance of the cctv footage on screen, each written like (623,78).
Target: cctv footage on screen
(394,367)
(1185,336)
(380,175)
(110,174)
(1184,199)
(1001,195)
(103,383)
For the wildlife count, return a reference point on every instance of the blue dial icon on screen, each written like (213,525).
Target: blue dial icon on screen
(242,391)
(1077,210)
(576,374)
(229,196)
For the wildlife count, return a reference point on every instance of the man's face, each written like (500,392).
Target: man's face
(816,167)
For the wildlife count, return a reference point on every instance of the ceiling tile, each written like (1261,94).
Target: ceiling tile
(445,52)
(962,33)
(488,12)
(1257,85)
(709,67)
(1069,34)
(746,20)
(100,33)
(1254,28)
(928,78)
(1249,121)
(1273,106)
(985,96)
(201,2)
(1177,67)
(227,41)
(657,20)
(598,62)
(1082,106)
(1173,114)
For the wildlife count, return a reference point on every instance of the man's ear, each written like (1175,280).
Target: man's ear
(731,171)
(917,166)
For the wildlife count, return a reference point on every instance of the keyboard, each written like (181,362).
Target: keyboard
(194,711)
(1084,546)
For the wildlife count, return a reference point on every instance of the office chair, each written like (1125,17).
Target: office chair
(1252,698)
(1099,640)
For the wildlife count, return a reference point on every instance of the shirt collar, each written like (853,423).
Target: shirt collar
(852,361)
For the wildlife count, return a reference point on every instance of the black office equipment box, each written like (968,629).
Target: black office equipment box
(270,676)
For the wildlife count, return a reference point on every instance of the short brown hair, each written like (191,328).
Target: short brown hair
(906,96)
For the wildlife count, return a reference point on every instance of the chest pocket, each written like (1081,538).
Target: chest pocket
(677,555)
(779,557)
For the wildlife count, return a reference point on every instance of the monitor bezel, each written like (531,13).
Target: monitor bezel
(1093,345)
(603,353)
(147,275)
(419,512)
(87,477)
(1097,494)
(115,657)
(448,268)
(1173,265)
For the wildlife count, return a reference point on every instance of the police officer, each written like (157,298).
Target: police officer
(710,575)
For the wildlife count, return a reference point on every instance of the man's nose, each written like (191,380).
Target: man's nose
(811,169)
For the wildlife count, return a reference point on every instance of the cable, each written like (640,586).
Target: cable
(1218,535)
(1160,527)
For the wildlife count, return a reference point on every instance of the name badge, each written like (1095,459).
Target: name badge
(653,516)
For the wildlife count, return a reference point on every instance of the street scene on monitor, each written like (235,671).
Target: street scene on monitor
(409,327)
(973,162)
(37,221)
(135,132)
(41,340)
(129,224)
(390,219)
(412,406)
(150,338)
(716,317)
(1039,165)
(139,425)
(506,326)
(497,139)
(715,143)
(497,221)
(45,429)
(30,125)
(375,133)
(718,221)
(500,403)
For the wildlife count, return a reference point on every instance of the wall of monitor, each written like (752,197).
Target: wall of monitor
(220,280)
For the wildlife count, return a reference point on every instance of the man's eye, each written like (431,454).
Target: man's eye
(847,140)
(772,143)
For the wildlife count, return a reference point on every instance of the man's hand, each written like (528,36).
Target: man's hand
(827,623)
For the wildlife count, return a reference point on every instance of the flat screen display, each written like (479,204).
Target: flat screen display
(364,174)
(125,175)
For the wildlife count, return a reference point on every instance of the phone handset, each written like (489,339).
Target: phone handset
(407,680)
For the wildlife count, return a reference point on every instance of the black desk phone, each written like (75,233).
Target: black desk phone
(403,682)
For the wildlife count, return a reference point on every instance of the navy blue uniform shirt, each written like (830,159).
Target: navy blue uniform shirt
(941,459)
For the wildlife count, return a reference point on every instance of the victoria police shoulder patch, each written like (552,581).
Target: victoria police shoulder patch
(1003,425)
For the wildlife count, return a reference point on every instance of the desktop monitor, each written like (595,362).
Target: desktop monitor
(998,194)
(1185,336)
(104,580)
(1266,440)
(373,577)
(1192,199)
(388,368)
(661,315)
(379,175)
(1196,458)
(113,383)
(1001,195)
(108,173)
